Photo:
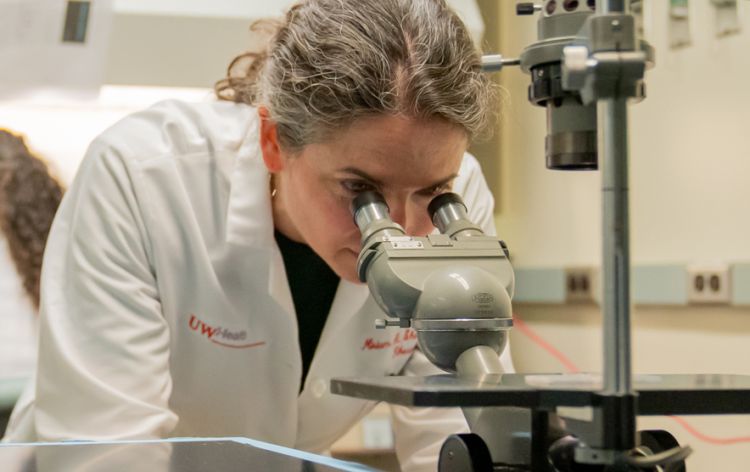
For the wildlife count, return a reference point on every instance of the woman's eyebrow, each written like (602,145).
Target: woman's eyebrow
(366,176)
(443,181)
(360,173)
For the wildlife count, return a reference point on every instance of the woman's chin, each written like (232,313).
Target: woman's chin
(345,266)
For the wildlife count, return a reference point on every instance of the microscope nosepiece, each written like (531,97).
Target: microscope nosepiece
(461,306)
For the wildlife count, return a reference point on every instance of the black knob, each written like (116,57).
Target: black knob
(525,8)
(505,249)
(465,452)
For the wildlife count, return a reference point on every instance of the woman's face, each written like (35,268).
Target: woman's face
(408,161)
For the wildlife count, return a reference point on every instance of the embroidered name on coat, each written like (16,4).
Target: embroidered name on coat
(403,343)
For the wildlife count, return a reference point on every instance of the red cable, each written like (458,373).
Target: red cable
(524,328)
(709,439)
(517,323)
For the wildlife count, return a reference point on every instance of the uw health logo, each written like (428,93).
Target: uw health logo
(221,336)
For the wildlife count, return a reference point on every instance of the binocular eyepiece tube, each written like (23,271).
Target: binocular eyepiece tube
(446,209)
(368,207)
(447,212)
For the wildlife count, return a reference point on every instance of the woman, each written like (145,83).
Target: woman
(201,277)
(29,197)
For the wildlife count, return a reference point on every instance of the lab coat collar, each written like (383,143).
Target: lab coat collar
(249,213)
(250,223)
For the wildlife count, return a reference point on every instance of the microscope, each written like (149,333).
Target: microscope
(455,288)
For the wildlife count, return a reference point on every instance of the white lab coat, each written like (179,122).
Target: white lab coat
(166,309)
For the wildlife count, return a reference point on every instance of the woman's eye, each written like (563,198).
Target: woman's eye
(357,186)
(437,190)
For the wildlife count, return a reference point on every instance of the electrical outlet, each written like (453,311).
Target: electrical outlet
(580,284)
(709,284)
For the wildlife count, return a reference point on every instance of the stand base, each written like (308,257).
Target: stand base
(690,394)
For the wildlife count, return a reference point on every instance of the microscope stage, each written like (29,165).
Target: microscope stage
(668,394)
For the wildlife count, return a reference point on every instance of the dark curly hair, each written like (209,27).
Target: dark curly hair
(29,197)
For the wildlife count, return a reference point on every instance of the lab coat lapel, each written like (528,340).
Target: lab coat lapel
(349,300)
(250,215)
(278,284)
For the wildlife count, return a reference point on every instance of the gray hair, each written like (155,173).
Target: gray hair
(329,62)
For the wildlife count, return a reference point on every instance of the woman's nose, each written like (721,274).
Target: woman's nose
(410,218)
(397,207)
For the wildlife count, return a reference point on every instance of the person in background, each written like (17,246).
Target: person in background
(200,277)
(29,197)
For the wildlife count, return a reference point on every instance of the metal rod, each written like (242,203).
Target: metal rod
(613,153)
(495,62)
(612,6)
(478,362)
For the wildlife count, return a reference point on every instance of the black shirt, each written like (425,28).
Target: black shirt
(313,285)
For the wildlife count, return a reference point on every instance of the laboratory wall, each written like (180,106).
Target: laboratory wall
(689,195)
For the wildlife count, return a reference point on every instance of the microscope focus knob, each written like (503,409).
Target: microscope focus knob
(465,453)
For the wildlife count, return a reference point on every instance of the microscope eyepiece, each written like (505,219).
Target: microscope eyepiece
(442,200)
(366,198)
(371,213)
(450,216)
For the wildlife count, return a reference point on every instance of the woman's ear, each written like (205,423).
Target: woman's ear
(269,142)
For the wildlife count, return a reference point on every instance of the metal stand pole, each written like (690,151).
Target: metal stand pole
(612,114)
(613,152)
